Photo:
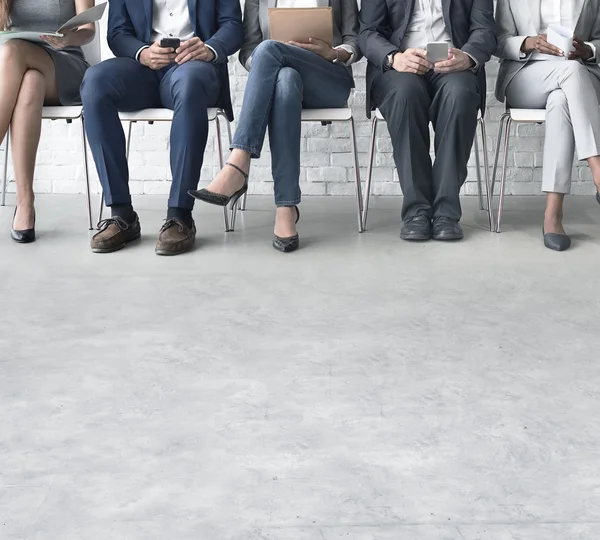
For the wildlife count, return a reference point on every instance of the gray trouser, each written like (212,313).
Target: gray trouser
(571,95)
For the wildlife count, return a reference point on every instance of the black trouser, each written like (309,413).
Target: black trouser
(450,102)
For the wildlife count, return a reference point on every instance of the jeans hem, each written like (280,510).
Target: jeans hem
(287,204)
(252,151)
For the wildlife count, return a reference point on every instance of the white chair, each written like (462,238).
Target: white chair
(378,117)
(510,117)
(325,117)
(166,115)
(68,114)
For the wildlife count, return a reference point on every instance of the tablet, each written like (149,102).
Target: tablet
(299,24)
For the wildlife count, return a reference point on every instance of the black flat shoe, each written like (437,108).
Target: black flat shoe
(289,244)
(219,199)
(446,230)
(556,242)
(23,237)
(416,229)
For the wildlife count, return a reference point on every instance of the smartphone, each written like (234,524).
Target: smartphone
(437,51)
(170,43)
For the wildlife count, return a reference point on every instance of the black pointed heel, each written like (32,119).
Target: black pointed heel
(25,236)
(219,199)
(598,196)
(556,242)
(289,244)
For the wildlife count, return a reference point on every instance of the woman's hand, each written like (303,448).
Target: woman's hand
(69,39)
(582,51)
(321,48)
(541,45)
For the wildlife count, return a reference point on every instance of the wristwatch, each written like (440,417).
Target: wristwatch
(389,61)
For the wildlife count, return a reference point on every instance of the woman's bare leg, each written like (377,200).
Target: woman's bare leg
(229,180)
(554,213)
(594,163)
(28,82)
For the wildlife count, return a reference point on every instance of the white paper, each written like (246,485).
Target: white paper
(89,16)
(561,37)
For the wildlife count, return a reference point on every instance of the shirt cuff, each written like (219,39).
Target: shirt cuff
(349,50)
(137,54)
(216,58)
(475,68)
(592,60)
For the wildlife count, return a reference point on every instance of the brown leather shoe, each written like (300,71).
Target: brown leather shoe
(175,237)
(115,233)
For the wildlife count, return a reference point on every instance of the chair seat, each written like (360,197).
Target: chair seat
(62,113)
(326,115)
(380,116)
(528,115)
(159,115)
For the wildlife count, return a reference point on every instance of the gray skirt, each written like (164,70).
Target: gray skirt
(70,66)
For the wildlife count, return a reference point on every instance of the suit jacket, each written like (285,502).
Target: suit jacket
(216,22)
(256,25)
(384,23)
(518,19)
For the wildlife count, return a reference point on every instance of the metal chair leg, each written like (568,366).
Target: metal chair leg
(503,180)
(478,171)
(222,164)
(367,193)
(5,173)
(486,172)
(87,175)
(101,211)
(359,198)
(502,120)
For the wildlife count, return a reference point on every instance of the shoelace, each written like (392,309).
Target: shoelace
(118,222)
(170,222)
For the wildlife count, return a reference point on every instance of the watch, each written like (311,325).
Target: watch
(389,61)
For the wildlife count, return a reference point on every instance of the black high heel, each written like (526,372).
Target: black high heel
(598,196)
(218,199)
(289,244)
(25,236)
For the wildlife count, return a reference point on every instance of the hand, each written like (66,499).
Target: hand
(319,47)
(412,61)
(194,49)
(157,57)
(582,51)
(541,45)
(457,61)
(67,40)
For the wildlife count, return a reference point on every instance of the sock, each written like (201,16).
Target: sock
(183,214)
(124,211)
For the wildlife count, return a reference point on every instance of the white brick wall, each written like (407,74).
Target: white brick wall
(326,158)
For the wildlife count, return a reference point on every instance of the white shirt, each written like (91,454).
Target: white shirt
(427,25)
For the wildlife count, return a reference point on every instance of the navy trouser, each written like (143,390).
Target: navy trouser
(123,84)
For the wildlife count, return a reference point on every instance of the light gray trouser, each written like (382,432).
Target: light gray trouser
(571,95)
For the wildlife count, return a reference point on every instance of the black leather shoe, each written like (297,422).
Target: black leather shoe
(289,244)
(25,236)
(416,229)
(446,229)
(219,199)
(556,242)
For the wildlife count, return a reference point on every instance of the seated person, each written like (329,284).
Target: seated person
(284,78)
(188,80)
(536,75)
(411,92)
(34,75)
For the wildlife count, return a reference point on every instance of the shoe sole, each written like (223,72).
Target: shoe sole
(166,253)
(413,238)
(449,238)
(116,248)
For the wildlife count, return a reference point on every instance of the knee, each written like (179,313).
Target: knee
(557,100)
(268,48)
(33,89)
(95,85)
(13,51)
(573,69)
(461,99)
(288,84)
(190,90)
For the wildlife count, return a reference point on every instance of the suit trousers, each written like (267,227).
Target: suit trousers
(123,84)
(570,93)
(409,103)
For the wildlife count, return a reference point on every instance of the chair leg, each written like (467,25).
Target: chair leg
(222,164)
(359,199)
(486,172)
(5,172)
(502,120)
(101,211)
(503,180)
(370,171)
(128,141)
(478,170)
(87,175)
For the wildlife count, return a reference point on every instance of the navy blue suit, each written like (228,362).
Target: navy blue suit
(123,84)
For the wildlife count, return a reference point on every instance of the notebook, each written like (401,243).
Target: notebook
(299,24)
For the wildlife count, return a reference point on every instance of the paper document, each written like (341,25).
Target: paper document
(91,15)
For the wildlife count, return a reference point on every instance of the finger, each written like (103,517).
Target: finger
(446,63)
(419,52)
(417,67)
(422,62)
(448,69)
(186,58)
(316,41)
(546,48)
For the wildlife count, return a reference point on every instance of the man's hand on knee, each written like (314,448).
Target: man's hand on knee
(412,61)
(157,57)
(194,49)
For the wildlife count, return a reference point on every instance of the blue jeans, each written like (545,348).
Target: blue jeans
(123,84)
(283,80)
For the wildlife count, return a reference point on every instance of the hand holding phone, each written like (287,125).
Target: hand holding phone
(157,57)
(170,43)
(437,51)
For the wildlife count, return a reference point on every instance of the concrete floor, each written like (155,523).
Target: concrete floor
(362,388)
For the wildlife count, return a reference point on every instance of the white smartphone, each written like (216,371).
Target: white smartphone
(437,51)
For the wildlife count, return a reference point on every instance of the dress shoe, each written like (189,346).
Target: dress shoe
(598,196)
(289,244)
(25,236)
(416,229)
(114,234)
(175,237)
(556,242)
(446,229)
(219,199)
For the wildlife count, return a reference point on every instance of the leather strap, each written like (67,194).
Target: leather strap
(245,175)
